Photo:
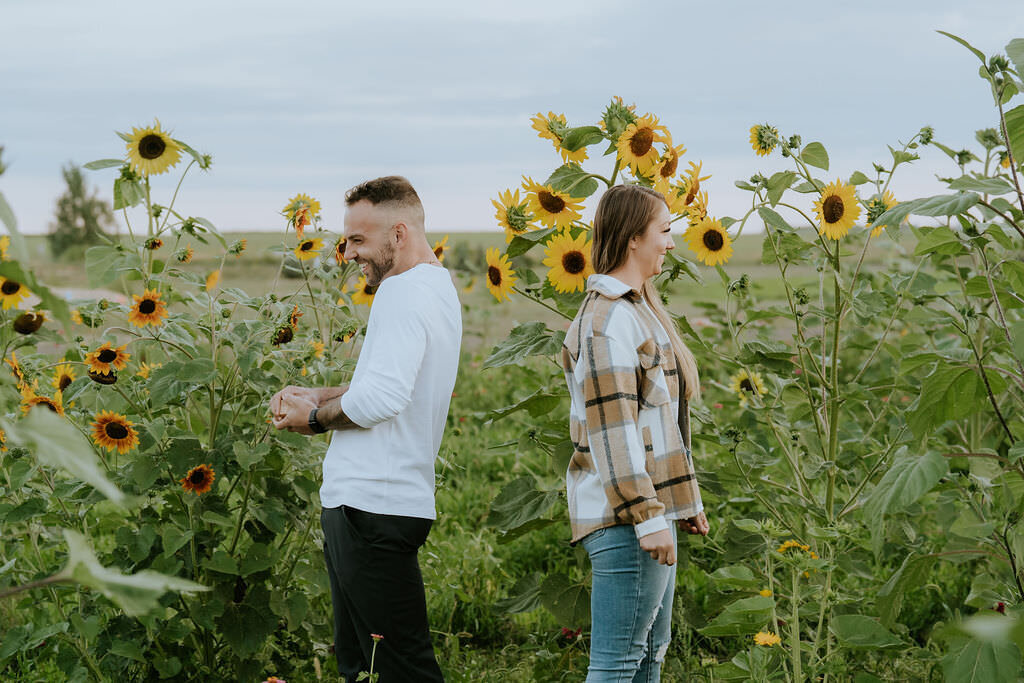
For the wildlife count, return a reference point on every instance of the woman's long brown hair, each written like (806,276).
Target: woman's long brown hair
(624,212)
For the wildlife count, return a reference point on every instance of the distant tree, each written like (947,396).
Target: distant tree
(81,216)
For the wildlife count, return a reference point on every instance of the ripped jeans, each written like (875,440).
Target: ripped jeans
(631,608)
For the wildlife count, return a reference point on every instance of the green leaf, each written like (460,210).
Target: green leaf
(737,576)
(57,443)
(858,178)
(951,392)
(778,184)
(572,180)
(191,152)
(221,562)
(977,53)
(521,244)
(814,154)
(127,193)
(528,339)
(790,247)
(536,404)
(104,163)
(524,596)
(568,601)
(982,185)
(1015,50)
(1014,273)
(911,575)
(900,157)
(27,509)
(518,503)
(742,617)
(575,138)
(939,205)
(909,478)
(102,264)
(1017,334)
(129,649)
(174,538)
(246,456)
(940,240)
(859,632)
(982,662)
(1015,131)
(136,594)
(245,628)
(257,558)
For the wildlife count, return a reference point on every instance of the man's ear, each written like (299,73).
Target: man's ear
(401,232)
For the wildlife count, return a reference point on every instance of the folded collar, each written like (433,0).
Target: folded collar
(611,287)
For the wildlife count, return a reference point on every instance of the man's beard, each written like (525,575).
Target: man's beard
(377,269)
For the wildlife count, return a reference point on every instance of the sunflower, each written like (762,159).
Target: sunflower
(569,261)
(746,384)
(512,214)
(29,322)
(876,207)
(697,209)
(106,358)
(154,243)
(837,209)
(710,241)
(16,369)
(3,440)
(339,251)
(5,243)
(30,399)
(237,247)
(553,127)
(500,276)
(441,248)
(146,368)
(300,212)
(11,293)
(309,249)
(199,479)
(148,309)
(113,431)
(151,151)
(212,279)
(666,166)
(184,255)
(282,335)
(363,293)
(106,378)
(63,375)
(692,182)
(767,639)
(293,317)
(1004,162)
(552,208)
(318,348)
(763,139)
(636,144)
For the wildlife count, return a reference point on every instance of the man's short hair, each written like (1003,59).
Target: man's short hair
(392,190)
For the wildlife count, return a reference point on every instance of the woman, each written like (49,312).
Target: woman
(630,380)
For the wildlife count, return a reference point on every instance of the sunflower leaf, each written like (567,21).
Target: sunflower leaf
(194,154)
(858,178)
(983,185)
(575,138)
(1015,50)
(104,163)
(815,155)
(977,53)
(528,339)
(940,240)
(857,631)
(779,183)
(127,193)
(1015,131)
(951,392)
(939,205)
(567,600)
(573,181)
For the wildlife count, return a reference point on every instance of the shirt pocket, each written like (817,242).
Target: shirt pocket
(652,383)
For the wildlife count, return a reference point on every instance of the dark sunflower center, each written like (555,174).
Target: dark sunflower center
(832,209)
(745,385)
(197,478)
(438,251)
(669,169)
(494,275)
(116,430)
(640,143)
(147,306)
(65,380)
(713,240)
(694,189)
(49,404)
(10,287)
(551,203)
(151,147)
(307,245)
(106,356)
(369,290)
(573,262)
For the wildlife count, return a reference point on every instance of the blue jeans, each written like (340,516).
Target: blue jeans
(631,608)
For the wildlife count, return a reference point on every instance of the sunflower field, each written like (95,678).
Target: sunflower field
(860,442)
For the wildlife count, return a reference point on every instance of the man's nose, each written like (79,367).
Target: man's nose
(350,252)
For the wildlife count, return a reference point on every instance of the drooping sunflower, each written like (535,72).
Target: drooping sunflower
(107,358)
(697,209)
(3,440)
(113,431)
(746,384)
(300,212)
(666,166)
(339,251)
(12,293)
(512,214)
(636,144)
(15,366)
(105,378)
(876,207)
(148,309)
(154,243)
(237,247)
(837,209)
(500,276)
(441,248)
(212,279)
(199,479)
(5,242)
(29,322)
(569,261)
(553,127)
(63,376)
(184,255)
(363,293)
(309,249)
(551,207)
(146,368)
(293,317)
(151,151)
(710,241)
(30,399)
(763,139)
(692,182)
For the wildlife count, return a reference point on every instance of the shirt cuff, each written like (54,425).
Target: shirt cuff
(651,526)
(352,412)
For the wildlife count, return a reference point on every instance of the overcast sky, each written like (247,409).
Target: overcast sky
(315,97)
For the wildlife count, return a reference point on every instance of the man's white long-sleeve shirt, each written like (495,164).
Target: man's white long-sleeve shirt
(399,396)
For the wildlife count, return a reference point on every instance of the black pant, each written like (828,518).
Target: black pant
(377,588)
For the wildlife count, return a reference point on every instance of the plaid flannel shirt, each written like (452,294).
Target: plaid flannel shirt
(628,422)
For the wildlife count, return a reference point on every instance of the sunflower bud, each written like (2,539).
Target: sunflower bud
(154,243)
(183,255)
(998,63)
(237,247)
(29,322)
(988,137)
(963,157)
(801,296)
(157,210)
(205,161)
(795,141)
(616,117)
(927,135)
(103,377)
(128,174)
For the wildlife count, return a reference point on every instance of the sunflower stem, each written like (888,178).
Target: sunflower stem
(241,514)
(833,423)
(539,301)
(174,197)
(794,629)
(1009,150)
(615,170)
(312,299)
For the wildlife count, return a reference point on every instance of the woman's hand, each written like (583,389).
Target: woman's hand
(698,524)
(661,546)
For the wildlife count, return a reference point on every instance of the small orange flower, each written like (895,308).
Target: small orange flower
(199,479)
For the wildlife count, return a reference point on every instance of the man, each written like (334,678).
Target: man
(386,427)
